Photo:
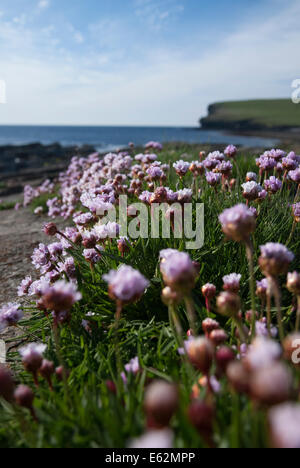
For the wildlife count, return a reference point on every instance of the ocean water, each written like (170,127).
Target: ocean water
(111,138)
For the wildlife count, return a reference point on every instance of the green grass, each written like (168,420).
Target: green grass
(262,113)
(7,206)
(87,414)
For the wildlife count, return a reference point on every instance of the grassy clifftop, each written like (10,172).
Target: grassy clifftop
(277,114)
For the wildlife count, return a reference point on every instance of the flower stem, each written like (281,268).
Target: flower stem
(298,314)
(191,315)
(277,296)
(249,252)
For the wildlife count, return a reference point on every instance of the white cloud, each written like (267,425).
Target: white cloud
(43,4)
(157,12)
(163,86)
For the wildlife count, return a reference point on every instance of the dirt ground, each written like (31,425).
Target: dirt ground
(20,233)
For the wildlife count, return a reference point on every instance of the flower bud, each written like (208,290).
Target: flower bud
(24,397)
(224,356)
(47,370)
(170,297)
(271,385)
(209,325)
(7,384)
(60,372)
(238,377)
(293,283)
(201,416)
(50,229)
(218,337)
(111,386)
(200,352)
(275,259)
(229,304)
(161,401)
(209,291)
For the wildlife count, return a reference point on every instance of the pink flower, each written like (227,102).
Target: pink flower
(126,284)
(230,151)
(181,167)
(232,282)
(10,314)
(60,296)
(238,222)
(284,421)
(24,286)
(178,270)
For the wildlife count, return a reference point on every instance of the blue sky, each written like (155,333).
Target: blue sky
(142,62)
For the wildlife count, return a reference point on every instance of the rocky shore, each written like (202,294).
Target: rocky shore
(32,163)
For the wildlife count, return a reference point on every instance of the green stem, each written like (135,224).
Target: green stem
(277,296)
(249,252)
(298,314)
(191,315)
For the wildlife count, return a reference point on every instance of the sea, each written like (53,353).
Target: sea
(113,138)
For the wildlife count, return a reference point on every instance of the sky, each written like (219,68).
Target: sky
(142,62)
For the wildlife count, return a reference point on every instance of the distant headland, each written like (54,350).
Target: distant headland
(267,115)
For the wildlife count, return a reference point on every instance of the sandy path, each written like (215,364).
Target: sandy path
(20,233)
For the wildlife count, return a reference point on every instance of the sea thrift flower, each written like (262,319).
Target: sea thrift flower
(200,352)
(213,178)
(293,283)
(218,337)
(46,370)
(60,296)
(24,397)
(232,282)
(263,352)
(209,290)
(24,286)
(295,175)
(273,185)
(230,151)
(209,325)
(224,356)
(238,377)
(158,439)
(296,212)
(32,358)
(251,177)
(289,164)
(10,315)
(238,222)
(123,245)
(262,288)
(225,167)
(262,195)
(126,285)
(271,385)
(171,297)
(50,229)
(251,190)
(275,259)
(178,271)
(229,304)
(181,168)
(161,402)
(41,256)
(284,422)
